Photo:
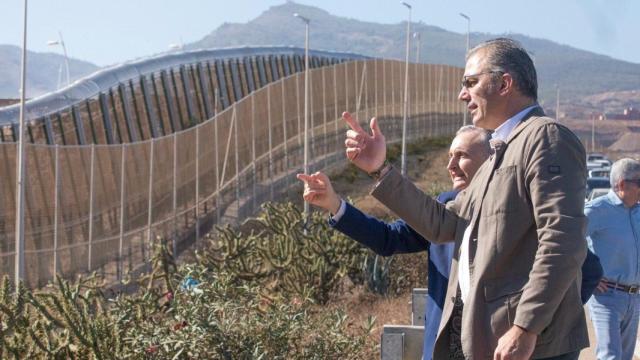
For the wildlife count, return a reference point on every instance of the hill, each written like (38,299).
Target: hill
(42,71)
(579,73)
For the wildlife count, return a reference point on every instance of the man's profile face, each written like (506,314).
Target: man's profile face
(481,95)
(629,191)
(466,154)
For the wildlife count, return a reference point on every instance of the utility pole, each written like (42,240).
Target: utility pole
(19,261)
(466,111)
(557,102)
(403,166)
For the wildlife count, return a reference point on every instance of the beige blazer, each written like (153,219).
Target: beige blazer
(527,245)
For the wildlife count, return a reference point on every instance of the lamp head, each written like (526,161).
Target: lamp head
(306,21)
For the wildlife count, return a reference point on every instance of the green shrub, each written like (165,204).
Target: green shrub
(257,296)
(290,257)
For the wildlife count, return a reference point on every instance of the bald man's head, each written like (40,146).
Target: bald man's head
(469,149)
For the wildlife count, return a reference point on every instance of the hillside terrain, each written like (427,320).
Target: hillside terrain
(586,80)
(579,73)
(42,71)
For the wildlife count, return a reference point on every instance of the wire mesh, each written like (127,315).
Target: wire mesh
(100,207)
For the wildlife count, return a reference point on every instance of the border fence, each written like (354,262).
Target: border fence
(100,207)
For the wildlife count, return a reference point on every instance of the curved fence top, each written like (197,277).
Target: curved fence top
(106,78)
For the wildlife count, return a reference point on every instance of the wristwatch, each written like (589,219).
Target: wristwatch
(377,174)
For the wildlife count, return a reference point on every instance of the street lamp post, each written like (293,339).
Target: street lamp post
(306,102)
(557,102)
(19,261)
(464,121)
(60,42)
(403,166)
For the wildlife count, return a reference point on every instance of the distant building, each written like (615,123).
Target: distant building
(629,113)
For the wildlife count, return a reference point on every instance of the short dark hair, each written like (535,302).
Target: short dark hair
(508,56)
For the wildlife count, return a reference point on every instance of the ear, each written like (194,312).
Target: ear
(506,84)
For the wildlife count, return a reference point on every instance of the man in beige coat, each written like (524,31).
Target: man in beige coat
(518,228)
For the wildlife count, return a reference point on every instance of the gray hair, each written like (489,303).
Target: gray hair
(508,56)
(482,136)
(624,169)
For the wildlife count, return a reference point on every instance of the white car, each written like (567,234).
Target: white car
(597,158)
(596,193)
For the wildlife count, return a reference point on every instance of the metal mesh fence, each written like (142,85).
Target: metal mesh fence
(100,207)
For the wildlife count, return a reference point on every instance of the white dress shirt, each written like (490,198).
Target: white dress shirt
(464,275)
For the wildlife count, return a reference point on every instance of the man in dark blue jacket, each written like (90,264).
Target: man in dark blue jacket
(469,149)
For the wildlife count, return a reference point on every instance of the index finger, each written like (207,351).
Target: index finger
(353,123)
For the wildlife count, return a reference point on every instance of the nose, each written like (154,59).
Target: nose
(453,163)
(464,94)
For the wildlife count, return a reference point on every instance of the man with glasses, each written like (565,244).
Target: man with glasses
(613,234)
(518,228)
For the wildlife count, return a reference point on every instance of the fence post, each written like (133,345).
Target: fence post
(197,211)
(174,240)
(284,128)
(335,102)
(298,110)
(346,87)
(270,141)
(56,197)
(91,203)
(384,86)
(324,115)
(122,184)
(215,136)
(253,150)
(150,200)
(375,88)
(237,162)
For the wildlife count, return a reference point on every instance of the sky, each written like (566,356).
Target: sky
(109,32)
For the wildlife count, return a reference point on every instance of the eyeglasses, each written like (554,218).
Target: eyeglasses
(634,181)
(469,81)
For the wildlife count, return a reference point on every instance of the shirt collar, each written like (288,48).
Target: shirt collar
(504,130)
(614,198)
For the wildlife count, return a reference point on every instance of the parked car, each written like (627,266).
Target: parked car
(596,193)
(599,172)
(597,158)
(597,183)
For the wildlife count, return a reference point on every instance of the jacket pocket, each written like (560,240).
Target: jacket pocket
(503,195)
(502,297)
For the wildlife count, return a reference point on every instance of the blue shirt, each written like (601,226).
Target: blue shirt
(503,131)
(613,235)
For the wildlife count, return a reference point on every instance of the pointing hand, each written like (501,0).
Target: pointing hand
(365,151)
(319,192)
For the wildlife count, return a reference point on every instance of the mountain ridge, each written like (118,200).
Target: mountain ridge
(42,71)
(578,73)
